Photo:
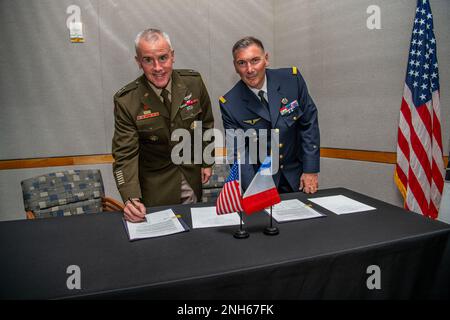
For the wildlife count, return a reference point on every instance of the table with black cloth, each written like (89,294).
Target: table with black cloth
(321,258)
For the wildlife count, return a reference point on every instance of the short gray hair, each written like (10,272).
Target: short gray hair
(151,35)
(247,42)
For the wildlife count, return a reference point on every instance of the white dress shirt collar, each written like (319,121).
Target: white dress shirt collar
(263,88)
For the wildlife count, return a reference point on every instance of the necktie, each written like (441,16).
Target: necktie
(166,101)
(263,100)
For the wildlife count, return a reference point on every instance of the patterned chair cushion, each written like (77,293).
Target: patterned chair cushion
(219,173)
(210,195)
(81,207)
(65,192)
(212,188)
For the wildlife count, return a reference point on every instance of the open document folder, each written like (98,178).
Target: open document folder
(157,224)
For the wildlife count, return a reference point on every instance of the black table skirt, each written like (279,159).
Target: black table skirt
(322,258)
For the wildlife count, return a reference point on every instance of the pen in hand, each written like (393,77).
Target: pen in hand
(131,214)
(132,202)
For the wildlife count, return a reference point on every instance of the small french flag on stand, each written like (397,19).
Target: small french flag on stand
(261,193)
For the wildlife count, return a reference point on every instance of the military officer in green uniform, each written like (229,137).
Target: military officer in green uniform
(146,112)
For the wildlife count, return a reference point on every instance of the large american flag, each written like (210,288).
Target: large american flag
(419,172)
(230,197)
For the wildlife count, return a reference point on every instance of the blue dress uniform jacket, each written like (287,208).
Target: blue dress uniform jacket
(292,113)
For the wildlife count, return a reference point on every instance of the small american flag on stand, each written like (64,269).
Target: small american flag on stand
(419,172)
(230,197)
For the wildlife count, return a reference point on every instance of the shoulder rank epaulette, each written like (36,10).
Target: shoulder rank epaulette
(131,86)
(222,99)
(187,72)
(294,70)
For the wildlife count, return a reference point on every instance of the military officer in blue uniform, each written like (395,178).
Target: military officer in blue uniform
(274,99)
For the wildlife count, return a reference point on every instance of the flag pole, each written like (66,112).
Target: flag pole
(240,234)
(271,219)
(271,230)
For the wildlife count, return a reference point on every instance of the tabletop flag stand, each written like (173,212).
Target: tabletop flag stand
(271,230)
(230,198)
(241,233)
(262,193)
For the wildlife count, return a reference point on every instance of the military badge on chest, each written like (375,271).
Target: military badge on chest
(147,113)
(252,121)
(288,108)
(189,108)
(188,103)
(146,109)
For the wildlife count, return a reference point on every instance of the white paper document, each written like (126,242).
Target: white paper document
(206,217)
(341,204)
(288,210)
(158,224)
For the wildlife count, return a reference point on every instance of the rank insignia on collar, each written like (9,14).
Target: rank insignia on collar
(252,121)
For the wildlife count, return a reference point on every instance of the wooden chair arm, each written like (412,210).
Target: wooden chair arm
(30,215)
(110,204)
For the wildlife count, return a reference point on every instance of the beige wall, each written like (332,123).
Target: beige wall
(57,96)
